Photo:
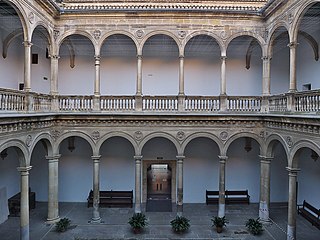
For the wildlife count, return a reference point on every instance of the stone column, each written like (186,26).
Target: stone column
(264,188)
(53,201)
(27,65)
(292,203)
(293,66)
(137,207)
(24,202)
(96,189)
(180,184)
(139,75)
(223,83)
(97,75)
(54,74)
(266,76)
(181,75)
(222,186)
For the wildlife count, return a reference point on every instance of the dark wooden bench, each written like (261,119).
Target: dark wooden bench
(310,213)
(112,199)
(237,196)
(212,197)
(14,203)
(232,197)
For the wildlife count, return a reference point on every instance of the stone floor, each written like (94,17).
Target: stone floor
(115,226)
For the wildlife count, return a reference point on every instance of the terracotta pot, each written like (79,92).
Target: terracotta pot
(137,230)
(219,229)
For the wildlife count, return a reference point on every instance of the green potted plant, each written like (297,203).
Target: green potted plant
(180,224)
(63,225)
(138,222)
(254,226)
(219,223)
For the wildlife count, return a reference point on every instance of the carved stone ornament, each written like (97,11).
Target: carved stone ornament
(97,34)
(290,18)
(56,34)
(181,135)
(182,34)
(223,34)
(289,141)
(138,135)
(224,135)
(139,33)
(28,140)
(55,134)
(31,17)
(262,134)
(95,135)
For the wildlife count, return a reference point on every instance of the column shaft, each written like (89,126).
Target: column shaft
(54,74)
(222,186)
(180,184)
(24,203)
(223,84)
(181,75)
(96,188)
(139,75)
(97,76)
(53,189)
(27,65)
(264,188)
(138,184)
(293,67)
(292,204)
(266,76)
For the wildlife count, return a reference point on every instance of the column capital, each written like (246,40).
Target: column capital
(54,57)
(223,159)
(223,58)
(138,157)
(293,171)
(180,158)
(97,57)
(181,57)
(265,159)
(27,43)
(54,158)
(266,58)
(139,57)
(24,170)
(293,45)
(96,158)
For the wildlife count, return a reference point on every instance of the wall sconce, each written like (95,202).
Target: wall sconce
(248,145)
(71,146)
(314,155)
(4,154)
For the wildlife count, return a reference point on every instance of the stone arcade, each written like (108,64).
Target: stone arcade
(224,94)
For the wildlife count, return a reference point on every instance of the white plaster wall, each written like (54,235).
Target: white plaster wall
(12,67)
(243,169)
(308,179)
(202,76)
(39,173)
(40,71)
(75,172)
(117,165)
(118,75)
(200,170)
(9,175)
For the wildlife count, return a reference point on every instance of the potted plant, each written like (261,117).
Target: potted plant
(180,224)
(219,223)
(254,226)
(138,222)
(63,225)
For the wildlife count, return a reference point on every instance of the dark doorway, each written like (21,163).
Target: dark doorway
(159,188)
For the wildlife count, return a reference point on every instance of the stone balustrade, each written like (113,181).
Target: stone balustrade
(307,102)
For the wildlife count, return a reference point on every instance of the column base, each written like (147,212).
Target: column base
(264,212)
(222,209)
(291,232)
(95,220)
(52,220)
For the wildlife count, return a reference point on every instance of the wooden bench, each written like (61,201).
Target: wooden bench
(112,199)
(310,213)
(212,197)
(242,196)
(14,203)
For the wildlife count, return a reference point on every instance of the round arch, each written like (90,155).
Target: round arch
(116,134)
(236,136)
(75,32)
(210,136)
(79,134)
(46,27)
(271,37)
(160,32)
(215,37)
(160,135)
(270,144)
(22,151)
(47,140)
(298,146)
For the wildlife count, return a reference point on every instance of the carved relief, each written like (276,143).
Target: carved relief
(31,17)
(95,135)
(138,135)
(139,33)
(289,141)
(224,135)
(182,34)
(56,34)
(55,134)
(28,140)
(181,135)
(97,34)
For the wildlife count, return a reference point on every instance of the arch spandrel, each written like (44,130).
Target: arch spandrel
(123,135)
(209,136)
(167,136)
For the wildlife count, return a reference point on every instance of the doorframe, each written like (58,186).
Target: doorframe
(172,164)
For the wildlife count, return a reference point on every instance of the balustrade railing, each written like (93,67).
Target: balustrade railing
(117,103)
(160,103)
(307,101)
(244,104)
(202,104)
(20,101)
(75,103)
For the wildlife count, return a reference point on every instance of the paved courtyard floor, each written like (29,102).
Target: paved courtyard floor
(115,226)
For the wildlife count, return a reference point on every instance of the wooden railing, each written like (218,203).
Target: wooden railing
(307,102)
